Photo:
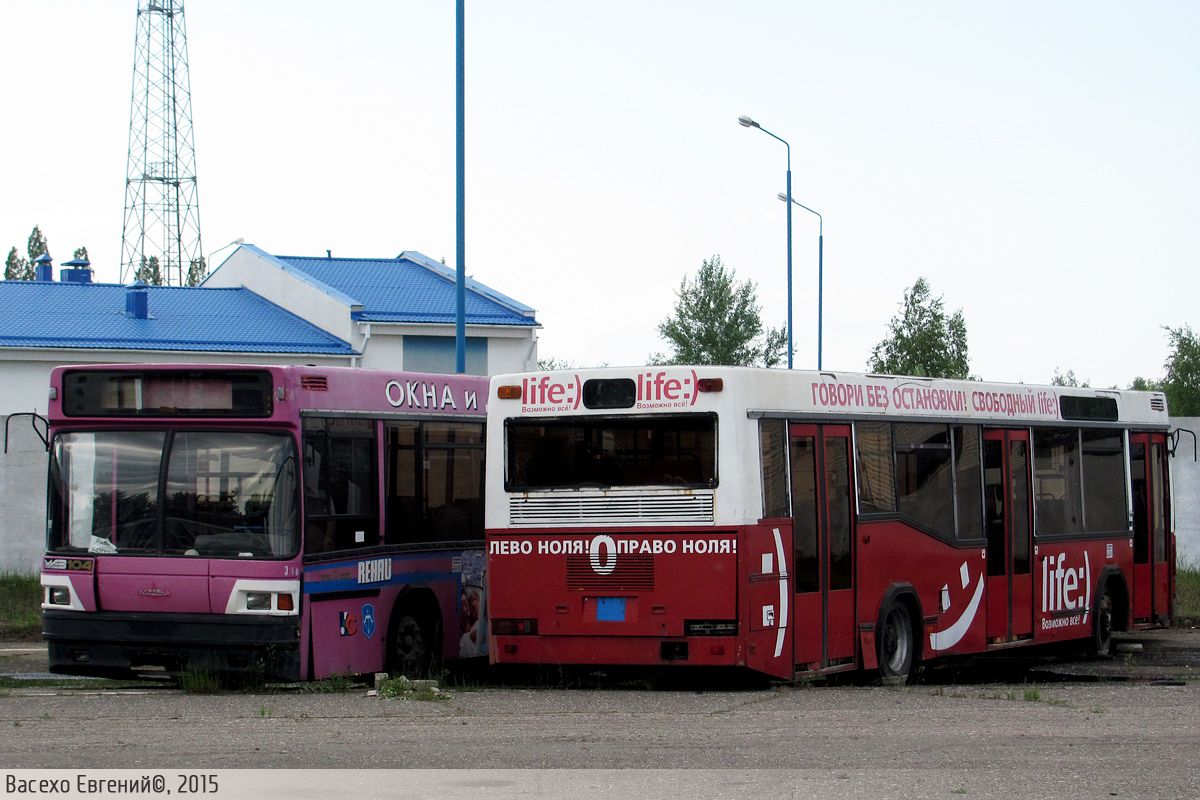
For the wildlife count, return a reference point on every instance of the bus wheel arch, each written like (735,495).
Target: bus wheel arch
(414,643)
(1111,611)
(898,636)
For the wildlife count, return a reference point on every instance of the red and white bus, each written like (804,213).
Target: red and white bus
(798,523)
(289,522)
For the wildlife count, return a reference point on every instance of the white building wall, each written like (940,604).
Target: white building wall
(26,384)
(264,277)
(1185,477)
(22,499)
(512,354)
(510,348)
(383,350)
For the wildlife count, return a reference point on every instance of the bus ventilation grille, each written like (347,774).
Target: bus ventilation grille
(608,509)
(314,383)
(1158,404)
(633,572)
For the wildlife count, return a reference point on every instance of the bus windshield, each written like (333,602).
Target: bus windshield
(593,452)
(188,493)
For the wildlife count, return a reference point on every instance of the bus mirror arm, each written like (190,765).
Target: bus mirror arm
(1173,439)
(44,433)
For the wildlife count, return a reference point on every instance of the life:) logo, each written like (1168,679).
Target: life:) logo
(1065,588)
(656,390)
(542,392)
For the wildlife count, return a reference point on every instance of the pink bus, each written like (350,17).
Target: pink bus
(289,523)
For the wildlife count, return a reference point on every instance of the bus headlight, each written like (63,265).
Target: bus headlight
(264,596)
(58,595)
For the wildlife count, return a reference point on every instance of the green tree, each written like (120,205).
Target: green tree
(25,269)
(1140,384)
(923,341)
(717,321)
(17,268)
(551,364)
(150,272)
(38,246)
(81,252)
(1181,384)
(1068,379)
(196,272)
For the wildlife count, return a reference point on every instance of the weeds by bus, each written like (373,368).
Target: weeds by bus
(798,523)
(280,522)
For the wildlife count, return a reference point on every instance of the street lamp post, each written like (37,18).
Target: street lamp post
(820,268)
(746,122)
(208,260)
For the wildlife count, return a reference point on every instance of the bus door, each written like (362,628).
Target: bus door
(1009,534)
(1151,550)
(822,510)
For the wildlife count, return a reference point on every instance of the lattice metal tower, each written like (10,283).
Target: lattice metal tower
(162,205)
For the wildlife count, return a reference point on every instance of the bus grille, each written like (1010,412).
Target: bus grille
(633,572)
(608,509)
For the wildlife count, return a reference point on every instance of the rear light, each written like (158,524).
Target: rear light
(514,627)
(710,384)
(508,392)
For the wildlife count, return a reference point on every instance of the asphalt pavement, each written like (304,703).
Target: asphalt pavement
(1029,727)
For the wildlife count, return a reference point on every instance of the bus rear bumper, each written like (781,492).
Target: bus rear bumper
(706,651)
(110,643)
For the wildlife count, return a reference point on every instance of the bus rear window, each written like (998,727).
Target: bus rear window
(167,393)
(601,452)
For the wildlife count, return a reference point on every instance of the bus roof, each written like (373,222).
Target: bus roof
(761,392)
(297,389)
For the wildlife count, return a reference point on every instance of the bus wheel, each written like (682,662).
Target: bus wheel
(414,644)
(1100,642)
(896,650)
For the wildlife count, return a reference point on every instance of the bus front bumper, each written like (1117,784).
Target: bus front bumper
(108,643)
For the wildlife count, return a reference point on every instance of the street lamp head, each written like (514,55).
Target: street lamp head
(782,196)
(746,122)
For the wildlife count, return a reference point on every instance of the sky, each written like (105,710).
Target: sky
(1035,162)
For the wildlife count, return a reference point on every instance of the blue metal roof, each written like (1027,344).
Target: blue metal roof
(93,316)
(408,288)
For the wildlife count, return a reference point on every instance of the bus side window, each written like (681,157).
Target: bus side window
(339,485)
(773,452)
(316,447)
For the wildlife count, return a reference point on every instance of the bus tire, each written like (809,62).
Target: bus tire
(1100,642)
(897,646)
(414,641)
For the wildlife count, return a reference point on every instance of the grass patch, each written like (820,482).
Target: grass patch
(195,680)
(7,684)
(1187,592)
(405,689)
(332,685)
(20,607)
